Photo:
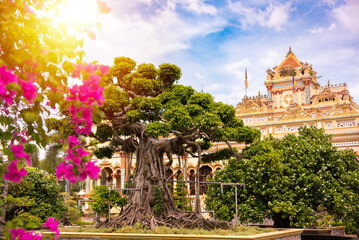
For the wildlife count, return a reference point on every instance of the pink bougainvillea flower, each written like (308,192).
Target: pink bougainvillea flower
(102,7)
(91,68)
(67,171)
(19,153)
(13,173)
(9,97)
(78,68)
(30,91)
(104,69)
(21,234)
(7,77)
(81,152)
(60,170)
(52,225)
(16,233)
(73,141)
(92,170)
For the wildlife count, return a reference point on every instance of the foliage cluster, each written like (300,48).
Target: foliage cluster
(37,197)
(73,213)
(100,197)
(180,195)
(158,198)
(289,179)
(104,152)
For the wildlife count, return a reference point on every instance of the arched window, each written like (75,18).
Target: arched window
(204,171)
(118,179)
(106,176)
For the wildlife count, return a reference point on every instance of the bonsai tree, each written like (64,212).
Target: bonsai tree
(180,195)
(100,197)
(150,116)
(289,180)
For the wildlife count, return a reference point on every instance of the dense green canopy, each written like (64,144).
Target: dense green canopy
(37,196)
(151,115)
(290,180)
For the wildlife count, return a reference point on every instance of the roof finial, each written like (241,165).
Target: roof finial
(290,51)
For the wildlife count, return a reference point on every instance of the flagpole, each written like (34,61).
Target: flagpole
(294,87)
(246,80)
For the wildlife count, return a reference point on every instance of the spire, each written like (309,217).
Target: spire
(328,83)
(290,51)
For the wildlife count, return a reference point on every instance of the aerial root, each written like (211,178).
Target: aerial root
(185,220)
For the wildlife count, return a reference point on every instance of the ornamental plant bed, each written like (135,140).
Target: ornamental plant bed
(139,229)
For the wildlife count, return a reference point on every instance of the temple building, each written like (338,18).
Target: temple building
(295,98)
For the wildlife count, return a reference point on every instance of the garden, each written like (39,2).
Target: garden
(51,100)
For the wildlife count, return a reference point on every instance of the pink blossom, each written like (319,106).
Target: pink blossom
(30,91)
(78,68)
(73,141)
(19,153)
(21,234)
(7,77)
(104,69)
(60,170)
(91,68)
(13,173)
(66,171)
(92,170)
(52,225)
(69,173)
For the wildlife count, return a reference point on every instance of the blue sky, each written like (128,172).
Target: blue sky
(214,41)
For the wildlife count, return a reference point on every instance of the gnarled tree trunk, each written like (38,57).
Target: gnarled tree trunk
(150,171)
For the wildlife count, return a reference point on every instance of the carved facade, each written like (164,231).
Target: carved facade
(284,109)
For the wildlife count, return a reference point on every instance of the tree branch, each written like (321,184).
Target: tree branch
(238,156)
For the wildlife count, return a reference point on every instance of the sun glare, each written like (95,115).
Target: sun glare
(80,16)
(79,11)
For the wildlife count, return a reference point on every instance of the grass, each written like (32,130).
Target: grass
(138,228)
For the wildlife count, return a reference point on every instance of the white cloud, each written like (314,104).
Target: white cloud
(238,68)
(316,30)
(275,15)
(270,58)
(147,37)
(200,76)
(347,15)
(195,6)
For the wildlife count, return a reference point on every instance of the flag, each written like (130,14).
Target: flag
(293,82)
(246,79)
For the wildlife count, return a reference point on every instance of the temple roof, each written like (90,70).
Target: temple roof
(290,61)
